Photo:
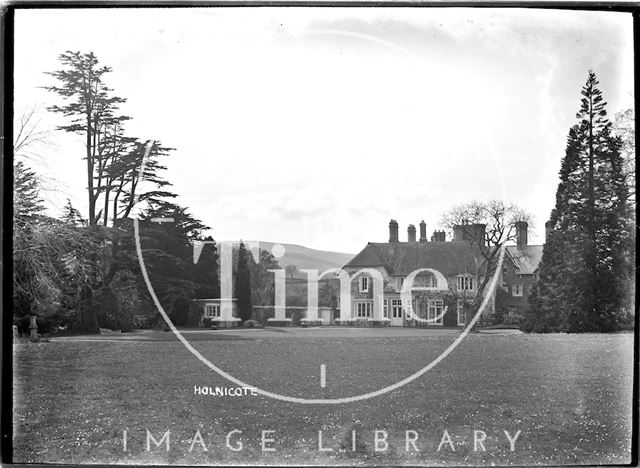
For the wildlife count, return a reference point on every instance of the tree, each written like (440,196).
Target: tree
(28,135)
(113,162)
(72,216)
(624,127)
(486,226)
(262,280)
(587,263)
(206,271)
(27,204)
(291,271)
(92,108)
(168,256)
(242,286)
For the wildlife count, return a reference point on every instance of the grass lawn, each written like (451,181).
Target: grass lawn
(569,395)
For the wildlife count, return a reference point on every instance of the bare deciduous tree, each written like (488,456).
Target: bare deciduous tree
(487,226)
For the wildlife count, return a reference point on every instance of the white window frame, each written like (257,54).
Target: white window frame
(385,308)
(517,290)
(364,284)
(465,283)
(396,308)
(212,311)
(364,309)
(435,308)
(460,312)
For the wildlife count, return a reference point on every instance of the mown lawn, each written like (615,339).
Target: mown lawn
(569,395)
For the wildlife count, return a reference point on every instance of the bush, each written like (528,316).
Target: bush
(513,319)
(249,324)
(193,318)
(207,322)
(180,312)
(114,306)
(142,322)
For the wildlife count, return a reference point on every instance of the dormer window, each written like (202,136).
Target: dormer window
(364,284)
(465,283)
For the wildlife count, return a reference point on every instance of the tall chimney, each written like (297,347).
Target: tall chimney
(411,231)
(393,231)
(438,236)
(521,234)
(548,229)
(474,233)
(423,231)
(458,232)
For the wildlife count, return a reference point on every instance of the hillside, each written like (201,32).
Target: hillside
(306,258)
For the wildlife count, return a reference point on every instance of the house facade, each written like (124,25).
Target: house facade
(220,312)
(435,305)
(520,270)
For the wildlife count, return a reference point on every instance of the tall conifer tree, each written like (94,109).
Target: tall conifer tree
(585,270)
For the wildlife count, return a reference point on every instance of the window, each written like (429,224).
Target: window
(385,308)
(465,283)
(461,317)
(212,310)
(426,281)
(516,289)
(399,282)
(435,310)
(364,284)
(363,309)
(396,308)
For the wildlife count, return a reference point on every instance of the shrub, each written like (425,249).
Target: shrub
(180,312)
(207,322)
(142,322)
(116,304)
(195,312)
(249,324)
(513,319)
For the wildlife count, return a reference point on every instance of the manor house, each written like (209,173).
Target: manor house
(458,260)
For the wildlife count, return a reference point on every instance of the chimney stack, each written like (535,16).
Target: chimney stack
(521,234)
(458,232)
(411,231)
(548,229)
(438,236)
(474,233)
(423,231)
(393,231)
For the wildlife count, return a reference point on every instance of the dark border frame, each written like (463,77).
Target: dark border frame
(7,19)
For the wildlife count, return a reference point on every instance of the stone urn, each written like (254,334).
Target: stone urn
(33,328)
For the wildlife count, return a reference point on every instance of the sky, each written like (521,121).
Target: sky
(315,126)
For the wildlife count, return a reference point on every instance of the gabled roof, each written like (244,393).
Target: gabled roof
(526,260)
(402,258)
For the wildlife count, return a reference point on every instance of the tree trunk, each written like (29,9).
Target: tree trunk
(86,319)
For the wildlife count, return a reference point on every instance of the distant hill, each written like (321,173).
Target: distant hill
(306,258)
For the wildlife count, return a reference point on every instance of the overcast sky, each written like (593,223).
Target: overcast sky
(315,126)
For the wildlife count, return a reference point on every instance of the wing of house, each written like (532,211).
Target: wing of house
(458,260)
